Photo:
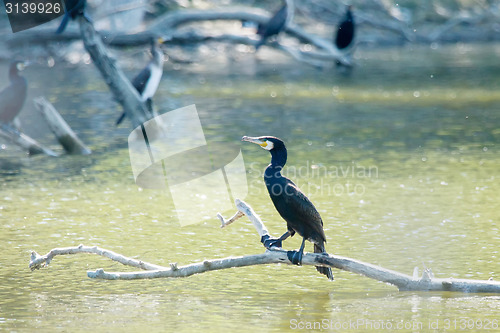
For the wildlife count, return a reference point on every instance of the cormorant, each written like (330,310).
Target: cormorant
(12,98)
(276,24)
(345,32)
(291,203)
(147,81)
(73,8)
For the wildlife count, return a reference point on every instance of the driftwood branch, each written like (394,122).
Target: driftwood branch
(22,140)
(62,131)
(453,22)
(167,27)
(38,261)
(45,36)
(114,77)
(171,21)
(275,255)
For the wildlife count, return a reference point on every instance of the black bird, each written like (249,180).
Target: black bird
(291,203)
(345,31)
(12,97)
(73,8)
(276,24)
(147,81)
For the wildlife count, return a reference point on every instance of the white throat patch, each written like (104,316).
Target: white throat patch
(269,145)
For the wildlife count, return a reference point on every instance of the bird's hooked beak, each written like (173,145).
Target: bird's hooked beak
(161,40)
(252,140)
(263,143)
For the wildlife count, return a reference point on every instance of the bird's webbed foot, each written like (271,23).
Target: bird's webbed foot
(270,242)
(295,257)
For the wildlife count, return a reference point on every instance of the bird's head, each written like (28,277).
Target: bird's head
(160,40)
(156,42)
(19,65)
(156,49)
(266,142)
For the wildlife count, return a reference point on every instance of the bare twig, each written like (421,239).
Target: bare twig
(225,223)
(37,261)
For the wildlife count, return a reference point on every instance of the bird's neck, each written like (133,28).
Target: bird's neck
(158,57)
(278,158)
(13,74)
(349,16)
(290,10)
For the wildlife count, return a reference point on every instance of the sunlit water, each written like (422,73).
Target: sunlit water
(400,157)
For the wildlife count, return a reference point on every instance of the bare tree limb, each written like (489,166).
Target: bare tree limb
(24,141)
(166,24)
(62,131)
(438,32)
(275,255)
(202,267)
(171,21)
(313,58)
(37,261)
(392,25)
(327,53)
(120,86)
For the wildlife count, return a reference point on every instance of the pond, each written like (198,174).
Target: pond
(400,157)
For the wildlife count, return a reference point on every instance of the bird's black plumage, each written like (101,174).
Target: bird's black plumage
(275,25)
(291,203)
(12,97)
(345,31)
(139,82)
(73,8)
(147,81)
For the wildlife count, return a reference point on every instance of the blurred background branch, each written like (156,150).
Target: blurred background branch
(380,22)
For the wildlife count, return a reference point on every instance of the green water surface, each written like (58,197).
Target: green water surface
(401,158)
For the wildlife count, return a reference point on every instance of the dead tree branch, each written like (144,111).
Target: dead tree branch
(275,255)
(168,23)
(463,18)
(38,261)
(62,131)
(22,140)
(167,26)
(120,86)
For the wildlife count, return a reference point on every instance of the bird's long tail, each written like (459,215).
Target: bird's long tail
(63,24)
(261,42)
(323,270)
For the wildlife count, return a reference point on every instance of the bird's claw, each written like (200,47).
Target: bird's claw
(295,257)
(270,242)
